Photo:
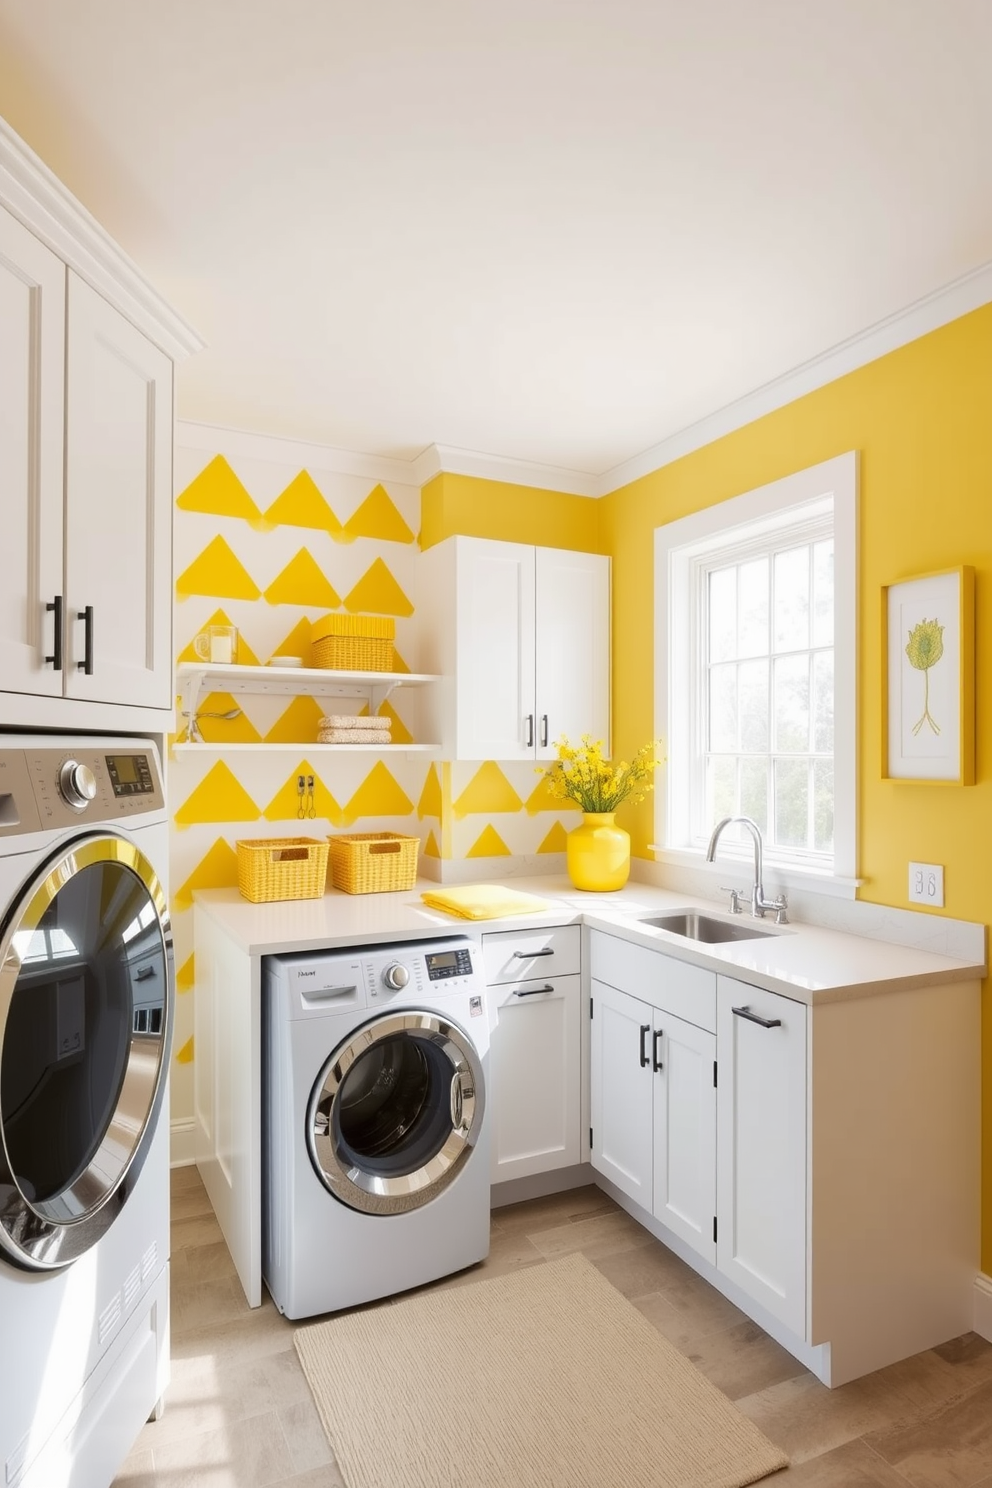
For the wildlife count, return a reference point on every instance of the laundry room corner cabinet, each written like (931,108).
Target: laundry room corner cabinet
(521,638)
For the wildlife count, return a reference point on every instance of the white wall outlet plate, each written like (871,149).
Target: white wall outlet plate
(926,884)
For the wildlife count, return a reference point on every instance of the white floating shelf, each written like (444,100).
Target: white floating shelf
(290,681)
(303,747)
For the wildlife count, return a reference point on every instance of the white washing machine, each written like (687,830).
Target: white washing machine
(375,1143)
(86,999)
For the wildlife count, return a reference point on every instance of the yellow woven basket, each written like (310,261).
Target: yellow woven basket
(353,643)
(373,862)
(272,868)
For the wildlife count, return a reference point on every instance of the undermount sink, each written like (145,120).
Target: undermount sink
(695,925)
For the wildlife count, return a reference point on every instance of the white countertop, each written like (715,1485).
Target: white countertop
(802,961)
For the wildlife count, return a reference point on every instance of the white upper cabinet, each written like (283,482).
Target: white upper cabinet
(521,636)
(572,647)
(118,552)
(32,333)
(86,417)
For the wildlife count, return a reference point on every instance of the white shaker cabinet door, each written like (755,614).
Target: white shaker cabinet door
(494,627)
(572,636)
(621,1091)
(762,1146)
(683,1060)
(534,1077)
(32,332)
(118,507)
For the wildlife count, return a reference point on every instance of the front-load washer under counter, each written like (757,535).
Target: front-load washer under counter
(86,1011)
(375,1160)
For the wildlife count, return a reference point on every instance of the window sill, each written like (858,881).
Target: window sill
(733,864)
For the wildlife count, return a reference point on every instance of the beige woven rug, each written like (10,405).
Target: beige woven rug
(546,1378)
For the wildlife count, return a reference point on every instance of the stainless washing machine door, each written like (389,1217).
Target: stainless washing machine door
(395,1112)
(85,1025)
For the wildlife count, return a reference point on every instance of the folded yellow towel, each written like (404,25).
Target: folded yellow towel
(484,901)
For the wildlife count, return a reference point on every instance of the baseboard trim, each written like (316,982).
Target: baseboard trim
(182,1147)
(540,1185)
(983,1306)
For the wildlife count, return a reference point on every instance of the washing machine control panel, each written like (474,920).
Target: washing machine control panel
(454,962)
(53,782)
(419,970)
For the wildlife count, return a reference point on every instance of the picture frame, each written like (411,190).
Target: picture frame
(928,670)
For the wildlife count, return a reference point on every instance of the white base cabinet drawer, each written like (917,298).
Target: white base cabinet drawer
(519,955)
(534,1077)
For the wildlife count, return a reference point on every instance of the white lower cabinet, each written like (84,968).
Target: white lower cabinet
(653,1106)
(831,1177)
(621,1091)
(685,1127)
(534,1061)
(761,1144)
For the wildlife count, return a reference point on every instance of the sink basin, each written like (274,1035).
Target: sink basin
(695,925)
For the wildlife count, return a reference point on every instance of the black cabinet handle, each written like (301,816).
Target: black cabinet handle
(86,665)
(544,730)
(745,1012)
(56,657)
(645,1030)
(533,992)
(656,1063)
(529,955)
(530,731)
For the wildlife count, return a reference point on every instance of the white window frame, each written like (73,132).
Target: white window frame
(679,546)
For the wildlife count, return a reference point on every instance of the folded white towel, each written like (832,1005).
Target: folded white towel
(354,736)
(356,721)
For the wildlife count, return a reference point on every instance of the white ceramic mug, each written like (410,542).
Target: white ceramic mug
(218,643)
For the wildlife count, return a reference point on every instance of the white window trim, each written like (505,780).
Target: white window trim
(677,544)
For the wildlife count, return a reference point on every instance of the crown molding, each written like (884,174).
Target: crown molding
(445,459)
(243,444)
(38,199)
(958,298)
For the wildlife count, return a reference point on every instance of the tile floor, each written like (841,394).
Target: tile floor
(239,1414)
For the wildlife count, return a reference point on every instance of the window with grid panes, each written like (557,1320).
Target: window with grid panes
(765,710)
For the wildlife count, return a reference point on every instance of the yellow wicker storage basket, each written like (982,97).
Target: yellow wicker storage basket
(353,643)
(271,868)
(373,862)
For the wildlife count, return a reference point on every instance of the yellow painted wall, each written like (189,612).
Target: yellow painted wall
(471,507)
(921,418)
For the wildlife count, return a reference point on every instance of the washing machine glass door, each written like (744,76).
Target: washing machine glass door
(85,1023)
(395,1112)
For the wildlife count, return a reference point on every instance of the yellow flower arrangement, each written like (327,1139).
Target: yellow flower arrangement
(581,773)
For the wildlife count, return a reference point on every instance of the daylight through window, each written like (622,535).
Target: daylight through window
(766,705)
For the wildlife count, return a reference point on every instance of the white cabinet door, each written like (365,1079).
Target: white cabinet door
(761,1147)
(683,1059)
(621,1091)
(572,641)
(32,332)
(494,622)
(118,507)
(534,1077)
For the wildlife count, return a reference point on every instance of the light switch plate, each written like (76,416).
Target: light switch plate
(926,884)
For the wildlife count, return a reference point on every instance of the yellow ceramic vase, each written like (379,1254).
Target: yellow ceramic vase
(598,853)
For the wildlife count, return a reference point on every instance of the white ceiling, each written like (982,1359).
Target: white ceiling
(558,231)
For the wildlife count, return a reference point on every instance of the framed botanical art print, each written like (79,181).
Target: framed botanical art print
(928,703)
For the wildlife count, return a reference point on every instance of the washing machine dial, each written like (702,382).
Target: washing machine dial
(77,784)
(396,976)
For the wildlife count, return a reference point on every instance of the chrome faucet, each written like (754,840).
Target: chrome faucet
(759,904)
